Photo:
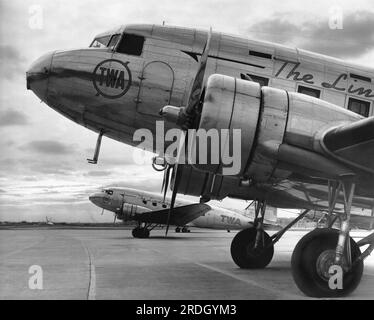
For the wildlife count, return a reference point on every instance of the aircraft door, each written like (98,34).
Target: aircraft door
(155,88)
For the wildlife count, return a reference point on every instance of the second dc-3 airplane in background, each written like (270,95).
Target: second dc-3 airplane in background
(151,210)
(306,123)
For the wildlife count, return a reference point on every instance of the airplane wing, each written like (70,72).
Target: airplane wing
(349,142)
(180,216)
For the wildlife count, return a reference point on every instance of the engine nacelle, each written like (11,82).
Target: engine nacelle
(129,211)
(251,122)
(266,119)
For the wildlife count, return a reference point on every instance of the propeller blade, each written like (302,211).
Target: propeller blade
(167,179)
(182,144)
(173,197)
(163,182)
(187,119)
(197,86)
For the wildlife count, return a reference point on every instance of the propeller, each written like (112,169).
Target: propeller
(186,118)
(165,181)
(120,210)
(176,180)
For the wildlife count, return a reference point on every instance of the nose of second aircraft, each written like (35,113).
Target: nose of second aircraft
(96,198)
(38,74)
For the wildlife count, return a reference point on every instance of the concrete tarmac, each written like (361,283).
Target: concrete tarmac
(89,263)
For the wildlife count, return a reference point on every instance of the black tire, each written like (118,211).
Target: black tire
(244,254)
(144,233)
(136,232)
(141,233)
(309,272)
(177,230)
(184,230)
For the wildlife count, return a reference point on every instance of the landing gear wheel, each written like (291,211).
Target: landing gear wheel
(184,230)
(177,229)
(141,233)
(312,258)
(244,253)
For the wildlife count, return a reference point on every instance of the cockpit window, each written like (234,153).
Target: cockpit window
(108,191)
(131,44)
(100,42)
(113,41)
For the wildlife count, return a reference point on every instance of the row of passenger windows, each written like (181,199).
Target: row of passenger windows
(154,203)
(359,106)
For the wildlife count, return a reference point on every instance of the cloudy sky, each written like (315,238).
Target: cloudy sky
(43,167)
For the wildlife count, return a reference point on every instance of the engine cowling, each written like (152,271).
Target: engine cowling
(259,114)
(129,211)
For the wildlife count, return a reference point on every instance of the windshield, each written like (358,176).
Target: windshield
(105,42)
(108,191)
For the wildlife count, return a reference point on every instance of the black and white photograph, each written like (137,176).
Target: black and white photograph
(186,155)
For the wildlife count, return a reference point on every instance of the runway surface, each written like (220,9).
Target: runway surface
(89,263)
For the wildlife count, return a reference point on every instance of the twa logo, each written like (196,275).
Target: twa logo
(230,220)
(112,78)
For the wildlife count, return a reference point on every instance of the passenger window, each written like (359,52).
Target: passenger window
(251,77)
(131,44)
(359,106)
(309,91)
(164,206)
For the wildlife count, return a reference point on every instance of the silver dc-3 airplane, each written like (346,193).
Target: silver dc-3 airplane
(306,121)
(150,210)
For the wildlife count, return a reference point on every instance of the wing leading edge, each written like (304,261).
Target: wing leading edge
(350,142)
(181,215)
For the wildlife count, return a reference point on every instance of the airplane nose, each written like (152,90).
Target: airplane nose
(38,74)
(95,198)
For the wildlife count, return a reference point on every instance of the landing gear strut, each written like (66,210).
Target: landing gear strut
(252,248)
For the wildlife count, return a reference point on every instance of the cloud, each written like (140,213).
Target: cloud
(354,40)
(101,173)
(11,61)
(49,147)
(12,118)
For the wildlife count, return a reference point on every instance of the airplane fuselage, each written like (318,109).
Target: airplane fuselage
(135,202)
(121,87)
(103,89)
